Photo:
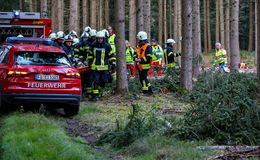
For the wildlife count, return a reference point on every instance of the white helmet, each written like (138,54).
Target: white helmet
(52,36)
(20,36)
(106,33)
(100,34)
(84,35)
(87,29)
(68,38)
(93,33)
(60,35)
(142,35)
(217,44)
(75,41)
(73,33)
(170,41)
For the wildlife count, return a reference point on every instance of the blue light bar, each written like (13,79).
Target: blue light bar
(16,13)
(25,40)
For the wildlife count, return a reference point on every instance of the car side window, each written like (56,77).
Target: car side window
(4,52)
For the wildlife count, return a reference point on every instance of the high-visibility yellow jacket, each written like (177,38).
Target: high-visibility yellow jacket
(130,55)
(111,41)
(220,56)
(157,53)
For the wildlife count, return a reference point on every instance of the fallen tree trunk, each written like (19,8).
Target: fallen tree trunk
(253,153)
(229,148)
(235,152)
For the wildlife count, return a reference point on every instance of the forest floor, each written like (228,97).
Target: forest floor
(30,135)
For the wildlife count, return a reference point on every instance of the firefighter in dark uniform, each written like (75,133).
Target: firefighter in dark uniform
(59,40)
(92,36)
(144,61)
(101,60)
(82,52)
(68,48)
(169,54)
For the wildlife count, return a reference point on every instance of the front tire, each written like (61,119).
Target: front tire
(71,110)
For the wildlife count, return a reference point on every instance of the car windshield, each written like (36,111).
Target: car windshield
(42,59)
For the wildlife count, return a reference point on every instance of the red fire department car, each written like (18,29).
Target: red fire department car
(28,24)
(34,72)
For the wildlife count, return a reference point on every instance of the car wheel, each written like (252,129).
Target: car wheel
(71,110)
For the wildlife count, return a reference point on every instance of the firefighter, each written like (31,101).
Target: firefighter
(73,34)
(144,60)
(111,38)
(87,29)
(59,40)
(92,35)
(82,49)
(220,55)
(75,42)
(106,35)
(68,48)
(53,36)
(157,58)
(130,56)
(82,52)
(101,60)
(170,54)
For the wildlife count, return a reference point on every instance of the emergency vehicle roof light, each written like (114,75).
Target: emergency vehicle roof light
(43,41)
(16,13)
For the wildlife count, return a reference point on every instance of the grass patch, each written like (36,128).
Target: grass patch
(161,147)
(33,136)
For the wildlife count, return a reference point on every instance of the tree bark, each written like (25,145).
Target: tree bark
(251,26)
(54,15)
(121,82)
(106,16)
(175,23)
(93,19)
(44,7)
(227,29)
(21,5)
(160,22)
(186,59)
(85,14)
(147,17)
(101,17)
(132,22)
(179,29)
(74,15)
(196,42)
(140,16)
(208,25)
(234,36)
(258,40)
(30,5)
(217,20)
(205,26)
(165,20)
(170,18)
(256,32)
(222,22)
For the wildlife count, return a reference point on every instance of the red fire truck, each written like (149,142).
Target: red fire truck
(27,24)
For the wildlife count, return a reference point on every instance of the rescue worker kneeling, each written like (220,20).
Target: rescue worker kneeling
(100,58)
(144,60)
